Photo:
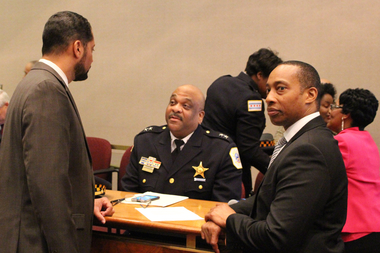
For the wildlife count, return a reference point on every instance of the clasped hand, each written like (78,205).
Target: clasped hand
(216,220)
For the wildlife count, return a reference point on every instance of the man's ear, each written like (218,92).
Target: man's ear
(78,49)
(201,116)
(312,94)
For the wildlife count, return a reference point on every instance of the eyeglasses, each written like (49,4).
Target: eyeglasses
(333,106)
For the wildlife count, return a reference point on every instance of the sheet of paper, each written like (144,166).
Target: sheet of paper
(165,199)
(168,213)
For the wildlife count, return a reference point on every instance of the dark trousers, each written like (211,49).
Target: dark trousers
(366,244)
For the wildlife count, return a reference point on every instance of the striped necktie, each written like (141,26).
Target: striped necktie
(277,149)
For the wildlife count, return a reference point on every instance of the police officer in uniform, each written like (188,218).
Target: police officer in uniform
(184,158)
(234,106)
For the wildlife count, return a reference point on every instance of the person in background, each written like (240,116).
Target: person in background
(234,107)
(4,102)
(46,179)
(355,110)
(328,92)
(28,67)
(302,202)
(182,157)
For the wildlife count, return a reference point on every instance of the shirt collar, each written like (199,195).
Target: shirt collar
(57,69)
(172,137)
(293,129)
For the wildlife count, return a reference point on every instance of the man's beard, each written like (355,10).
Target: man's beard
(80,72)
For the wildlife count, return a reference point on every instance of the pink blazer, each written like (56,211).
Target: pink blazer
(362,161)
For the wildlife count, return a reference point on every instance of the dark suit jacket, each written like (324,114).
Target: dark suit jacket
(46,181)
(227,112)
(222,179)
(301,204)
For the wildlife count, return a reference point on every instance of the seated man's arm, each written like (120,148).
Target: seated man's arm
(228,180)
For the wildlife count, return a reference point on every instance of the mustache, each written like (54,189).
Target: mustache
(175,115)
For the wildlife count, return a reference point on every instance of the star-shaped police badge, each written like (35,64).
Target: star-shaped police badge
(200,170)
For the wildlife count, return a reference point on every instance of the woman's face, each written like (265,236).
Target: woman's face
(324,109)
(335,118)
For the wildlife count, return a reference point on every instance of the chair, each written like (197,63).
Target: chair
(101,152)
(267,143)
(123,164)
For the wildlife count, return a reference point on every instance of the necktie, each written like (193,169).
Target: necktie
(277,149)
(178,144)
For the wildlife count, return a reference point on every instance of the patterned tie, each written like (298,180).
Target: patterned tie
(277,149)
(178,144)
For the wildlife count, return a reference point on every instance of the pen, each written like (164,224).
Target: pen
(116,201)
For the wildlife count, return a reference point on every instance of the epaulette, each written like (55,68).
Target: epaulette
(153,129)
(215,134)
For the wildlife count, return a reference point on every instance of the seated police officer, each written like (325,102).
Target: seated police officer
(182,157)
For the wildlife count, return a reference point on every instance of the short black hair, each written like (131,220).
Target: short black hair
(361,104)
(264,61)
(308,77)
(63,28)
(328,88)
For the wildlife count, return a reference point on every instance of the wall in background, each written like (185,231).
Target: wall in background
(146,48)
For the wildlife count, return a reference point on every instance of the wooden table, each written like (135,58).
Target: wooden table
(126,217)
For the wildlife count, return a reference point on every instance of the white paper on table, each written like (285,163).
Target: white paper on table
(168,213)
(164,200)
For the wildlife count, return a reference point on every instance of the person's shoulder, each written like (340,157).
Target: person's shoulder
(215,135)
(153,130)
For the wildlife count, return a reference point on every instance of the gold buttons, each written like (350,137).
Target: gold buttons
(164,127)
(200,187)
(207,131)
(171,180)
(144,181)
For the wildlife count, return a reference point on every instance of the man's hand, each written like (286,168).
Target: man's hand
(219,214)
(103,207)
(210,232)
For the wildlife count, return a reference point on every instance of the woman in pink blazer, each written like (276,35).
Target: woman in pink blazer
(357,109)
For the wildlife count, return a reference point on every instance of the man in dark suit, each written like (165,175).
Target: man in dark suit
(47,202)
(302,201)
(206,166)
(234,106)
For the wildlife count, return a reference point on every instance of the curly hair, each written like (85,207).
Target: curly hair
(328,88)
(264,61)
(361,104)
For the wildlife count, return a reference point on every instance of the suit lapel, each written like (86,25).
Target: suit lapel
(316,122)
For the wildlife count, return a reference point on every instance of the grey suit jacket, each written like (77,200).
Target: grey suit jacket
(301,204)
(46,181)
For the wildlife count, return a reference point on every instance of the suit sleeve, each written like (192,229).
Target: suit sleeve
(227,182)
(130,180)
(302,188)
(249,128)
(46,142)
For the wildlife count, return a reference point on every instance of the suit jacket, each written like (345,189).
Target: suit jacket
(205,148)
(362,160)
(46,177)
(301,204)
(227,111)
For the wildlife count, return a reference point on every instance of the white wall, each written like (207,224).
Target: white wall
(146,48)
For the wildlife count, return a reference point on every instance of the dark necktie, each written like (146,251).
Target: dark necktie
(178,144)
(277,149)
